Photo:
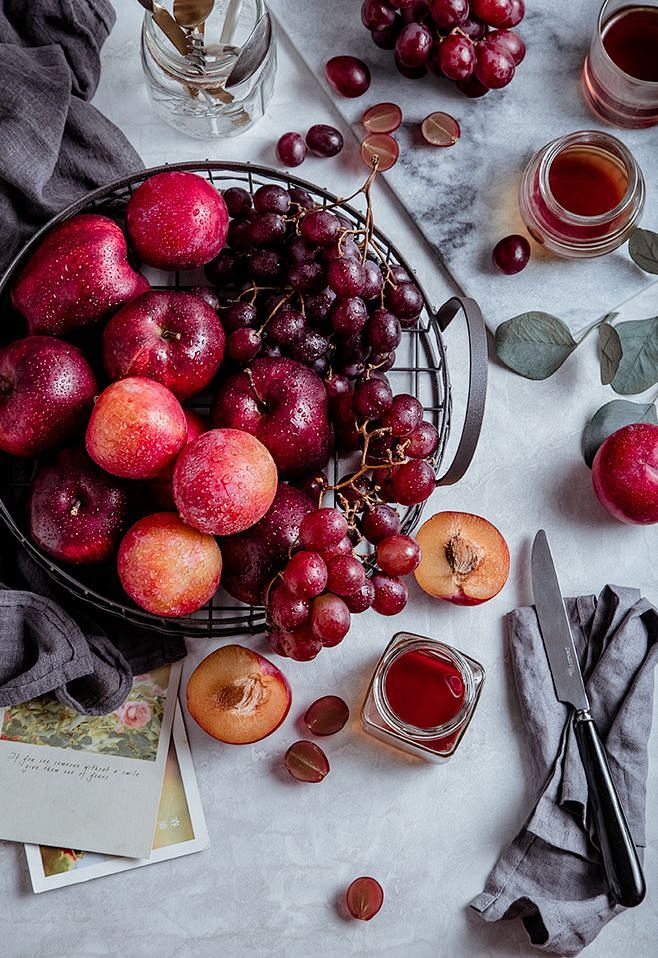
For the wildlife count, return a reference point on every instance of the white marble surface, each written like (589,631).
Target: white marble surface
(282,853)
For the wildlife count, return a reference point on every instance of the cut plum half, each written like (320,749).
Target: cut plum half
(465,559)
(238,696)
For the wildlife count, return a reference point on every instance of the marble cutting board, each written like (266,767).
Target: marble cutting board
(463,199)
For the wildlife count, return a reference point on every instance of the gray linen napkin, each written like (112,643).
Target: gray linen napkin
(551,876)
(54,147)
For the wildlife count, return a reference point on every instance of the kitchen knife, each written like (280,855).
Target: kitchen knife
(620,861)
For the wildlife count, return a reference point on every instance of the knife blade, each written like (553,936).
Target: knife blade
(620,861)
(555,628)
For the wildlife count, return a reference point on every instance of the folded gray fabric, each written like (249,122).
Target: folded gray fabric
(551,876)
(55,147)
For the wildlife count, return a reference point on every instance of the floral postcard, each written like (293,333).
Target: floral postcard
(89,782)
(180,828)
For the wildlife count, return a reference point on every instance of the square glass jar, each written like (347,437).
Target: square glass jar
(436,743)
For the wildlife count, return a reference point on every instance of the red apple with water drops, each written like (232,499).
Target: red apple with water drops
(625,474)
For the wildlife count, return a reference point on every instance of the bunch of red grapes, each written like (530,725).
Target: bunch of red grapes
(305,283)
(469,41)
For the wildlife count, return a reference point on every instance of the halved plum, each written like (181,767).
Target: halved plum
(238,696)
(465,559)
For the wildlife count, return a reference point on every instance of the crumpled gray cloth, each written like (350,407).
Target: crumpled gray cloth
(551,876)
(54,147)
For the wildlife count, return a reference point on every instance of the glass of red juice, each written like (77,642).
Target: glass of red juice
(620,75)
(422,696)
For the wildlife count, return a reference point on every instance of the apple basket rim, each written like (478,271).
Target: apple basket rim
(223,616)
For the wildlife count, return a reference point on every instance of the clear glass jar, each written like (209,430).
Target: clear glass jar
(570,234)
(436,743)
(195,101)
(611,93)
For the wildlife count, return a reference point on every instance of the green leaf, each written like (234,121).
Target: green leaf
(643,247)
(534,344)
(610,351)
(638,368)
(611,417)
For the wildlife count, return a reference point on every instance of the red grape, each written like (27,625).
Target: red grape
(372,398)
(413,482)
(404,300)
(244,344)
(405,415)
(413,45)
(238,316)
(472,88)
(494,66)
(380,146)
(348,76)
(275,638)
(364,898)
(345,575)
(377,14)
(286,328)
(238,201)
(374,280)
(362,599)
(306,762)
(306,574)
(330,619)
(267,229)
(323,528)
(383,331)
(342,548)
(271,199)
(457,57)
(440,129)
(291,150)
(380,522)
(301,198)
(300,644)
(492,12)
(320,227)
(414,12)
(265,265)
(385,38)
(286,610)
(397,555)
(511,254)
(391,594)
(448,13)
(347,276)
(327,715)
(510,41)
(348,315)
(382,118)
(324,140)
(473,28)
(422,442)
(517,14)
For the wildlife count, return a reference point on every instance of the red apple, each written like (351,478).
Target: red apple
(168,568)
(47,389)
(238,696)
(77,511)
(78,274)
(224,481)
(162,486)
(137,429)
(174,338)
(625,473)
(284,404)
(464,559)
(252,557)
(176,221)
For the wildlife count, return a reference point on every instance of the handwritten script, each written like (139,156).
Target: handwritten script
(81,770)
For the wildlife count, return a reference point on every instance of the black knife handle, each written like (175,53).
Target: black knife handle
(622,866)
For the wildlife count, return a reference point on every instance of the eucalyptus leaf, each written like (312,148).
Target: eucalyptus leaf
(643,248)
(638,368)
(534,344)
(611,417)
(610,351)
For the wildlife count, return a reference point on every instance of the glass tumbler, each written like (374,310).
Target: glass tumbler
(623,98)
(189,92)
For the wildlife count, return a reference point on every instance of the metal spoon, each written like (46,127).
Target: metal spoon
(192,15)
(167,24)
(252,53)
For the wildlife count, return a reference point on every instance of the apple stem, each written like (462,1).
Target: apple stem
(75,508)
(170,334)
(262,405)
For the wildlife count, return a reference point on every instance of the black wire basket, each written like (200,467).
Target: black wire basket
(420,369)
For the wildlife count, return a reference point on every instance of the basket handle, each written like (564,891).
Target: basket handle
(477,382)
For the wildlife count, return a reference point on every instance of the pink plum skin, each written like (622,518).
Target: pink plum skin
(79,274)
(174,338)
(47,390)
(284,404)
(137,429)
(252,557)
(224,481)
(77,511)
(168,568)
(176,220)
(162,486)
(625,474)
